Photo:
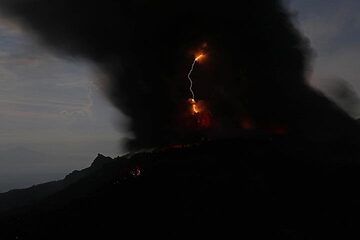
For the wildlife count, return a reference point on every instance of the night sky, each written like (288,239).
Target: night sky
(52,105)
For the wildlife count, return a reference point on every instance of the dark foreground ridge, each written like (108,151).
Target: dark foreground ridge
(255,187)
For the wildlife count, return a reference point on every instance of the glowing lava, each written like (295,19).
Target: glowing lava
(194,107)
(200,114)
(199,57)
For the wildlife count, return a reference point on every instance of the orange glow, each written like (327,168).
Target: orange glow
(199,56)
(194,107)
(197,114)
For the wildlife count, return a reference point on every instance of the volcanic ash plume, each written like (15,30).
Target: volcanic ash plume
(254,68)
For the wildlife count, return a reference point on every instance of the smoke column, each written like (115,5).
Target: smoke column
(258,65)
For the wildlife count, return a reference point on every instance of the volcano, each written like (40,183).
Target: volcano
(256,154)
(254,186)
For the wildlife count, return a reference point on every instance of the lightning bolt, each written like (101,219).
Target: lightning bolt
(190,72)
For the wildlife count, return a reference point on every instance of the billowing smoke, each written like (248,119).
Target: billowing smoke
(343,94)
(255,67)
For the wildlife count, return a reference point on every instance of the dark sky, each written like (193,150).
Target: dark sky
(51,104)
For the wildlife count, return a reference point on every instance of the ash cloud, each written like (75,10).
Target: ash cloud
(343,93)
(256,65)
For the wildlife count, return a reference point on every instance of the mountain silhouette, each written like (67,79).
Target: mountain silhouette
(252,187)
(23,197)
(23,167)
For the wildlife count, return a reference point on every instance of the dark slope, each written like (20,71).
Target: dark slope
(23,197)
(256,187)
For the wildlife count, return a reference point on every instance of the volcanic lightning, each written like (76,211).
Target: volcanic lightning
(197,58)
(200,118)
